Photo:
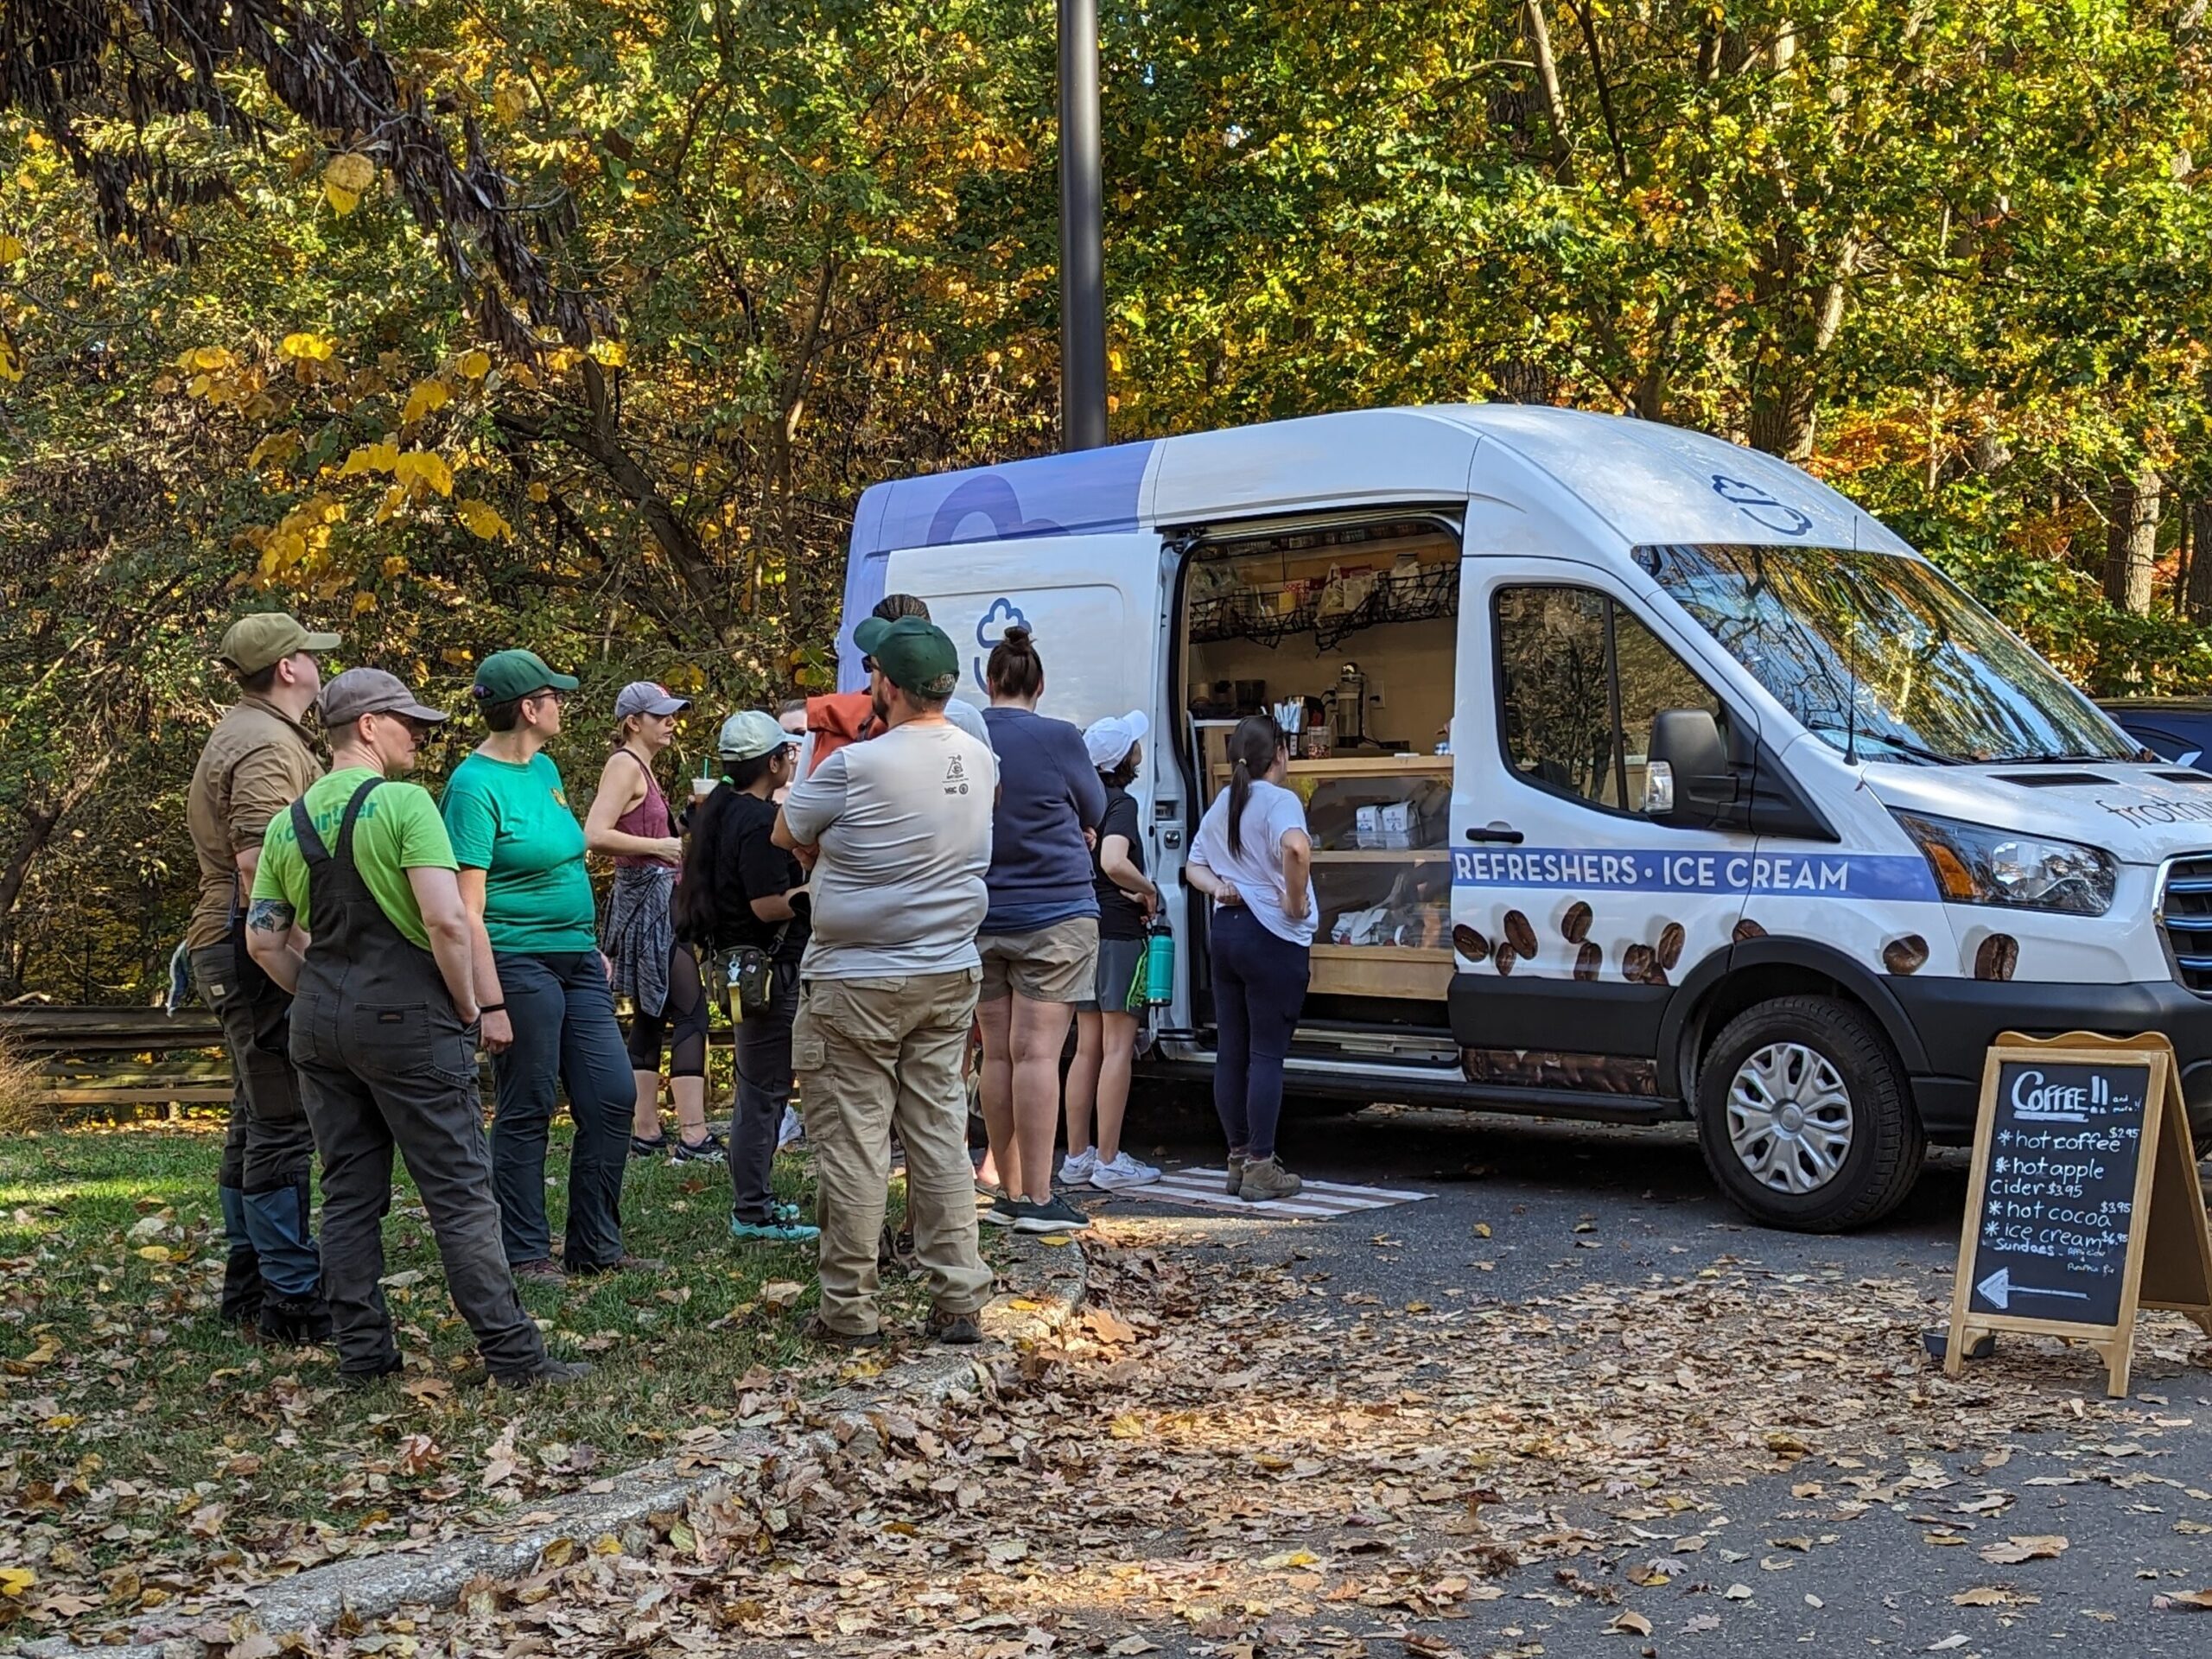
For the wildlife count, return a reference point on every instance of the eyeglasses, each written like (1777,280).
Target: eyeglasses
(549,691)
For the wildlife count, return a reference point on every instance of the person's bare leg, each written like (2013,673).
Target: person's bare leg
(644,1122)
(996,1091)
(690,1094)
(1039,1031)
(1117,1054)
(1083,1081)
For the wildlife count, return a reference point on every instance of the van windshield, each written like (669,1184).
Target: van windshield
(1938,680)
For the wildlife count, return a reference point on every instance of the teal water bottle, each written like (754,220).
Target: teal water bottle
(1159,976)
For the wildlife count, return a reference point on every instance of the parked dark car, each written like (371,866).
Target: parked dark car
(2178,728)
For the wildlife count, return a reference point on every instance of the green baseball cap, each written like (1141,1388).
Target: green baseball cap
(505,675)
(254,642)
(914,654)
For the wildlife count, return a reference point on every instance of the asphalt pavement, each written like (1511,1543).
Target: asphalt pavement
(1838,1554)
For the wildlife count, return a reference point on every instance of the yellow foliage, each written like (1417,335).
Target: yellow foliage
(427,395)
(11,249)
(611,352)
(394,498)
(203,358)
(483,520)
(11,366)
(421,467)
(370,458)
(279,446)
(363,602)
(345,178)
(510,101)
(14,1580)
(395,565)
(537,491)
(308,347)
(475,365)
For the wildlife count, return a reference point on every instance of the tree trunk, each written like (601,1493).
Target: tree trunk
(2199,601)
(2131,542)
(1539,44)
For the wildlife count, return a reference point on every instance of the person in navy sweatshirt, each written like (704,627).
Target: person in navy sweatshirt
(1040,939)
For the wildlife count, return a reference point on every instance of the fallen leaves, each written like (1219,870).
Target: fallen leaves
(2012,1551)
(2183,1601)
(1629,1624)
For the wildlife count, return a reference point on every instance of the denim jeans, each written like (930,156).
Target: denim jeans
(1259,989)
(565,1034)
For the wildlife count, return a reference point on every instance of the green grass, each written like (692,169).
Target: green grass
(158,1442)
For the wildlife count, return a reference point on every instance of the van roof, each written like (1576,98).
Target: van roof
(1649,482)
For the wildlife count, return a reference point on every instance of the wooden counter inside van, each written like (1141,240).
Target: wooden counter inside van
(1408,954)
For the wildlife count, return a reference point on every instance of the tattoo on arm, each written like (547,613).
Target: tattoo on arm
(269,916)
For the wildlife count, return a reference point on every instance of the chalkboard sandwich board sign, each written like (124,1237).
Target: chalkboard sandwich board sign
(2084,1204)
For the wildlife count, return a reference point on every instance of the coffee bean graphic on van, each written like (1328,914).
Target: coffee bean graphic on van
(1589,960)
(1906,955)
(1505,957)
(1469,944)
(1670,949)
(1521,933)
(1748,929)
(1997,956)
(1637,963)
(1574,926)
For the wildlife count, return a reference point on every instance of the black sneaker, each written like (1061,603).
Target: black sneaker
(955,1330)
(549,1372)
(999,1212)
(295,1320)
(361,1381)
(652,1148)
(1057,1217)
(709,1151)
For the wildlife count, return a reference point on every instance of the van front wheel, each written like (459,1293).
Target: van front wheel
(1805,1118)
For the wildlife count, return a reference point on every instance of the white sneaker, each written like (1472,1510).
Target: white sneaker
(790,1131)
(1124,1171)
(1079,1166)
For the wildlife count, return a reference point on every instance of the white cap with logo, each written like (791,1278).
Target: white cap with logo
(1108,740)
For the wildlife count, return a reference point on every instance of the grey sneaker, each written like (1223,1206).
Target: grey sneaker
(1266,1177)
(1235,1187)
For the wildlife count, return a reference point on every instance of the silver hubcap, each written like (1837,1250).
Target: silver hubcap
(1789,1118)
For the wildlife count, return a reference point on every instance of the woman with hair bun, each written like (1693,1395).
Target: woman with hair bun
(1039,938)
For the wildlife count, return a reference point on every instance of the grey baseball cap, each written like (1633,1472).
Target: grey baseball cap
(646,697)
(360,691)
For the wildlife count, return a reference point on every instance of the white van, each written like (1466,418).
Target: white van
(1649,778)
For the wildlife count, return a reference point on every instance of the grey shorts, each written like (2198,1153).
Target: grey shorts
(1119,964)
(1057,964)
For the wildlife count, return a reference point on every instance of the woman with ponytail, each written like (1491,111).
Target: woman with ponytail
(1040,939)
(1253,859)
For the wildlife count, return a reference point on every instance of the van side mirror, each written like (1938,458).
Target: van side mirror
(1687,779)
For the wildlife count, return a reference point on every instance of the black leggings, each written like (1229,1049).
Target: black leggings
(682,1021)
(1259,987)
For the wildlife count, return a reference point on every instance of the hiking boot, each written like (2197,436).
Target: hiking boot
(1266,1177)
(295,1320)
(362,1381)
(1235,1187)
(830,1336)
(540,1272)
(709,1151)
(625,1262)
(955,1330)
(549,1372)
(772,1232)
(242,1291)
(1057,1215)
(640,1147)
(1078,1167)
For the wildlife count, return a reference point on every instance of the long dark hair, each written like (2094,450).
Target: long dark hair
(691,910)
(1015,670)
(1252,748)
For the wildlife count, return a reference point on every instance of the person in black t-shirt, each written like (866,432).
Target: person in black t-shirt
(740,889)
(1105,1029)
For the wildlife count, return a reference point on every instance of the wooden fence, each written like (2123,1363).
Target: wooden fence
(121,1057)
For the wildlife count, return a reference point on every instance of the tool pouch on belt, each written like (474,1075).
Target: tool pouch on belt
(265,998)
(742,979)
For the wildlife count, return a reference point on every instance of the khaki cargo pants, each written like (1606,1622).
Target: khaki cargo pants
(873,1055)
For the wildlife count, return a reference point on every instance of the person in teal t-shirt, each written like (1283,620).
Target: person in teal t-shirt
(548,1014)
(399,829)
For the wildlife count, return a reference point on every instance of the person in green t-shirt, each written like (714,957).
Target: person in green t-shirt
(399,830)
(521,853)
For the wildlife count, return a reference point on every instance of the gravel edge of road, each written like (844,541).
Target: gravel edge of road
(1047,1285)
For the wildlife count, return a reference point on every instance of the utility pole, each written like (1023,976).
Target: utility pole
(1083,256)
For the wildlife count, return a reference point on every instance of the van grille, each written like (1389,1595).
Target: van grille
(2185,918)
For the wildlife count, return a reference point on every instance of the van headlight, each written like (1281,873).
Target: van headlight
(1977,865)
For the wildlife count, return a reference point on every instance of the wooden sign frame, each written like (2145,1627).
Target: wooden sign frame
(2169,1261)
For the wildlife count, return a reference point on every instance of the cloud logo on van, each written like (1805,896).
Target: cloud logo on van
(1759,507)
(990,628)
(990,496)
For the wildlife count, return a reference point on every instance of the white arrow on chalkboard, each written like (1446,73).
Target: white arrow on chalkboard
(1999,1289)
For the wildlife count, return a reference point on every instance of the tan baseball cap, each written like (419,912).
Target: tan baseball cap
(254,642)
